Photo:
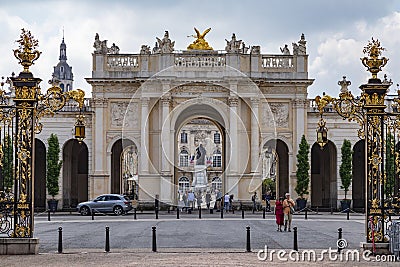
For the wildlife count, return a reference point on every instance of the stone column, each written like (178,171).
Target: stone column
(255,135)
(144,142)
(233,133)
(165,134)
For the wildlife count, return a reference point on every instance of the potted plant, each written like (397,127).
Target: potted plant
(345,173)
(53,171)
(303,178)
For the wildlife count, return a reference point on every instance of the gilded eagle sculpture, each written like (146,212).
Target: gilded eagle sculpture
(200,43)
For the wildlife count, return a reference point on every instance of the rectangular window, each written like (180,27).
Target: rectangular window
(217,160)
(183,160)
(184,138)
(217,138)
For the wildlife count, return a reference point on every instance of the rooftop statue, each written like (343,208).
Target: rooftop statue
(164,45)
(200,43)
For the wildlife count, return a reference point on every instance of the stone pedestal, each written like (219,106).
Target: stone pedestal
(19,246)
(380,248)
(200,177)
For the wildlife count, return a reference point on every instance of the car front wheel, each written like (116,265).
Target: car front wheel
(85,211)
(118,210)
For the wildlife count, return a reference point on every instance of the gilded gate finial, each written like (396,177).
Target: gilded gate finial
(27,53)
(373,62)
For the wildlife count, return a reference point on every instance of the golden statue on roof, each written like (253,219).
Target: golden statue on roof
(200,43)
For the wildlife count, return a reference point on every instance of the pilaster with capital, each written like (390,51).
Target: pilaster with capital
(99,163)
(144,122)
(166,135)
(255,135)
(233,132)
(300,121)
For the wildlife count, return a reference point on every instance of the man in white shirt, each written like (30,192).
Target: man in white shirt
(226,202)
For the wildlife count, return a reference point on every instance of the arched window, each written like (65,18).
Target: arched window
(184,158)
(184,139)
(217,138)
(216,183)
(68,87)
(217,158)
(183,184)
(61,69)
(62,86)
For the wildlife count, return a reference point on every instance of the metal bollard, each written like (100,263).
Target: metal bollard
(156,214)
(339,238)
(48,215)
(93,215)
(305,214)
(60,246)
(177,212)
(134,213)
(169,207)
(264,213)
(199,212)
(348,214)
(211,211)
(222,213)
(242,213)
(154,243)
(295,245)
(107,239)
(248,248)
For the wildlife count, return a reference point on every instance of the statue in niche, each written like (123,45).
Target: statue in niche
(200,155)
(200,43)
(233,46)
(165,44)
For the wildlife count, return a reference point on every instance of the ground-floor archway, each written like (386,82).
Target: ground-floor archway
(323,176)
(116,166)
(276,167)
(75,173)
(40,176)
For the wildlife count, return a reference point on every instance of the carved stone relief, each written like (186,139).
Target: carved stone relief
(280,113)
(124,114)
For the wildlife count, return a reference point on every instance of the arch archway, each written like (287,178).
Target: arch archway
(40,176)
(323,176)
(276,157)
(116,151)
(75,173)
(358,184)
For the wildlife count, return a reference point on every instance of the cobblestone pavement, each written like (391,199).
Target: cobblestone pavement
(167,258)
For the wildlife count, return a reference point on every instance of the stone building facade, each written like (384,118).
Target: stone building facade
(144,104)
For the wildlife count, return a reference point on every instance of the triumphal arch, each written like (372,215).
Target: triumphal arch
(168,121)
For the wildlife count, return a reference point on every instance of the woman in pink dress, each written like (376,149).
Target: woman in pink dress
(279,213)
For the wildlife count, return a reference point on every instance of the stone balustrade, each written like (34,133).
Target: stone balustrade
(118,61)
(277,62)
(199,61)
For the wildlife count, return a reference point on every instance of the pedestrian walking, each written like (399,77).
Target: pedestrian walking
(226,202)
(279,214)
(208,199)
(218,199)
(288,210)
(191,200)
(254,200)
(268,200)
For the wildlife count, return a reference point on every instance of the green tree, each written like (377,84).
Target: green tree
(389,165)
(345,170)
(303,167)
(53,165)
(7,169)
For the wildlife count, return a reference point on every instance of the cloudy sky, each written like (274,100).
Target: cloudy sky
(336,32)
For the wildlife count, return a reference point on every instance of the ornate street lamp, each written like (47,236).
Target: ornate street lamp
(322,133)
(376,127)
(21,115)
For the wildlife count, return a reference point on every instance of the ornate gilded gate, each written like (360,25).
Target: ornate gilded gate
(20,111)
(380,127)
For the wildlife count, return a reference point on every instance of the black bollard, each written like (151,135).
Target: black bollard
(60,246)
(348,214)
(156,213)
(92,215)
(199,212)
(222,213)
(295,246)
(264,213)
(168,209)
(177,212)
(248,248)
(305,214)
(154,243)
(242,213)
(107,239)
(211,211)
(339,240)
(134,213)
(48,215)
(331,210)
